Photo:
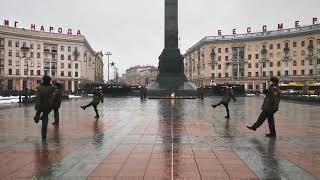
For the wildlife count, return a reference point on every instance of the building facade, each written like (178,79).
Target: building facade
(292,55)
(27,55)
(141,75)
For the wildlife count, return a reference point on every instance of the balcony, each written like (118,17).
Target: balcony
(286,50)
(1,46)
(25,48)
(46,50)
(54,51)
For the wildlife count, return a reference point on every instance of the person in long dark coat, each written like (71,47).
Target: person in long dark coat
(57,97)
(44,104)
(97,98)
(227,96)
(269,107)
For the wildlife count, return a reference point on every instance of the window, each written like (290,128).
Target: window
(286,73)
(226,50)
(219,75)
(294,63)
(310,71)
(17,44)
(24,44)
(219,66)
(278,46)
(227,58)
(76,74)
(69,48)
(10,43)
(76,65)
(271,46)
(279,73)
(62,57)
(302,72)
(271,73)
(318,41)
(17,72)
(271,55)
(212,67)
(10,62)
(271,64)
(38,72)
(286,64)
(10,71)
(264,46)
(38,55)
(257,65)
(10,53)
(17,62)
(310,62)
(31,54)
(62,48)
(69,65)
(219,58)
(318,61)
(303,53)
(249,48)
(39,64)
(219,50)
(249,65)
(249,74)
(69,57)
(264,74)
(257,56)
(303,43)
(264,65)
(54,56)
(294,44)
(31,46)
(249,57)
(278,55)
(69,74)
(31,72)
(212,75)
(257,74)
(294,53)
(302,62)
(53,73)
(17,54)
(38,46)
(294,72)
(62,73)
(62,65)
(278,63)
(226,75)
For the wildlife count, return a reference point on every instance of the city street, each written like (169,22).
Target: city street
(161,139)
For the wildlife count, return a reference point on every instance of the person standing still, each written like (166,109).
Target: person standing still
(269,107)
(44,104)
(227,96)
(97,98)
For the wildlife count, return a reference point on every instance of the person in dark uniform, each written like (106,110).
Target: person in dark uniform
(44,104)
(269,107)
(97,98)
(57,97)
(227,96)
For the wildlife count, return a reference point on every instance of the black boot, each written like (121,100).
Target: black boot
(214,106)
(271,135)
(252,128)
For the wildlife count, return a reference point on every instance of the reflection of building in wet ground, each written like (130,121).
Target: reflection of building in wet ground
(159,138)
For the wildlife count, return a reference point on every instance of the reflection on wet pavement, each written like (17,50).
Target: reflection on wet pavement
(161,139)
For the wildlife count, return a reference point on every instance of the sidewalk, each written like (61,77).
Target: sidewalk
(161,139)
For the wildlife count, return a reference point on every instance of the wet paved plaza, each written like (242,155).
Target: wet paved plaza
(161,139)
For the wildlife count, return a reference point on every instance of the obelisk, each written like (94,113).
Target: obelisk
(171,75)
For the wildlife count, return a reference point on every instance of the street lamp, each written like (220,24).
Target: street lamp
(108,54)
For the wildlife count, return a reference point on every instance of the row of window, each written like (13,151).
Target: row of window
(76,74)
(24,44)
(31,64)
(264,73)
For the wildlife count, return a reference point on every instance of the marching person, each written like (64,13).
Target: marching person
(227,96)
(44,103)
(269,107)
(97,98)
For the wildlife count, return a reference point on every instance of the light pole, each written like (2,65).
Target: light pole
(108,54)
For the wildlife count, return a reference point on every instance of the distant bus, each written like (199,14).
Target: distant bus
(314,88)
(291,86)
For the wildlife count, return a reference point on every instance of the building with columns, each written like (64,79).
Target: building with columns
(141,75)
(27,55)
(292,55)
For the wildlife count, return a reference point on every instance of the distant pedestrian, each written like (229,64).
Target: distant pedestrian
(97,98)
(227,96)
(44,103)
(57,97)
(269,107)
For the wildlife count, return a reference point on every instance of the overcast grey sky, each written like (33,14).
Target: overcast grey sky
(133,29)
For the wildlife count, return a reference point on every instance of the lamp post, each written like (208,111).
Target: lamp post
(108,54)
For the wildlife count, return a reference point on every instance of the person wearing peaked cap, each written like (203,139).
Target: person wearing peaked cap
(269,107)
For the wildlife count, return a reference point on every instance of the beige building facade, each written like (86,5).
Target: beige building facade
(141,75)
(292,55)
(27,55)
